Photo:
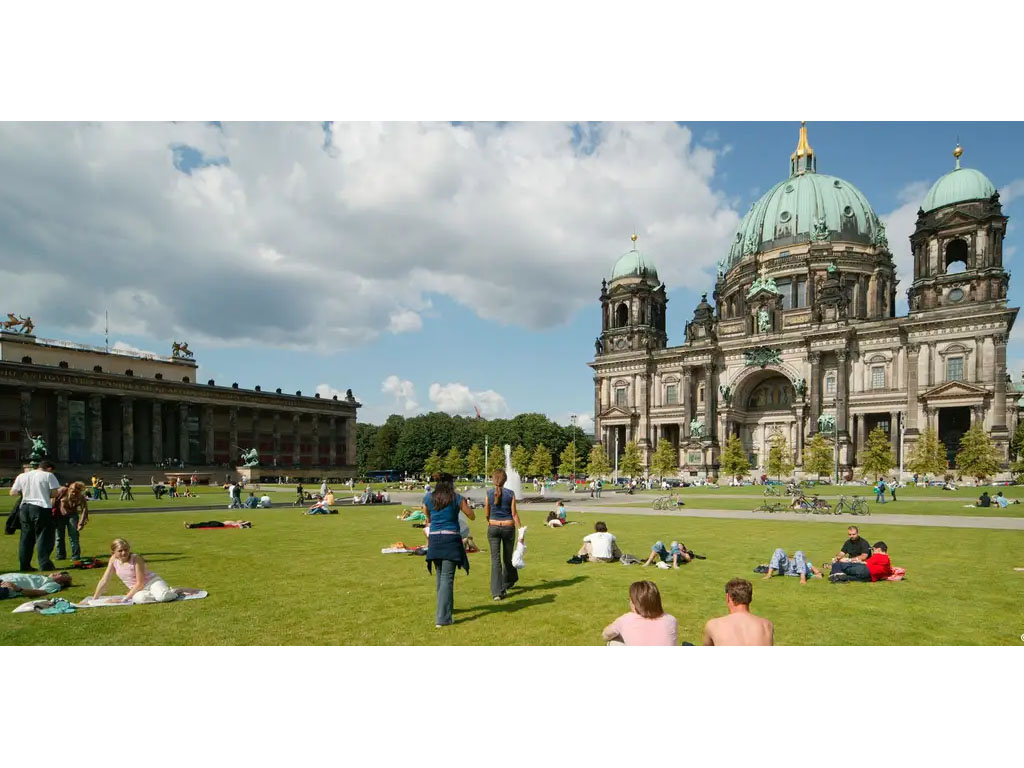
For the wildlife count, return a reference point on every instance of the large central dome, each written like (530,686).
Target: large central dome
(805,204)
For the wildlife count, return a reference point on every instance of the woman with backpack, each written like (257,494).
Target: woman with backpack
(445,548)
(502,521)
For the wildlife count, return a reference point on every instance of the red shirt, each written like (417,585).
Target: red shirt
(879,566)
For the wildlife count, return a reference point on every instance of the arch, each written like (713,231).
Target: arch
(956,256)
(874,359)
(621,315)
(772,393)
(26,359)
(746,380)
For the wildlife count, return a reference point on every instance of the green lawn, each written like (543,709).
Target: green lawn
(906,506)
(295,579)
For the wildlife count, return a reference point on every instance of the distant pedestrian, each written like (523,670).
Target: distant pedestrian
(892,489)
(880,491)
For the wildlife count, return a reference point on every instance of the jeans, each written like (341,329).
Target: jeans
(36,530)
(880,497)
(857,572)
(67,526)
(445,572)
(781,563)
(501,540)
(847,568)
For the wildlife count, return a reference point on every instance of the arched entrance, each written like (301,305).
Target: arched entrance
(763,406)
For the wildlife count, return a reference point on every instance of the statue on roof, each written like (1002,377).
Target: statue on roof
(249,457)
(820,228)
(22,324)
(880,238)
(598,346)
(181,350)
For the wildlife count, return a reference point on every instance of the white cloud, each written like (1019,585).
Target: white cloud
(517,213)
(123,346)
(403,391)
(457,399)
(327,391)
(584,421)
(1011,191)
(899,226)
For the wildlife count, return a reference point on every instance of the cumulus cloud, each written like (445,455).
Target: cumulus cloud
(899,226)
(403,391)
(1011,191)
(123,346)
(584,421)
(458,400)
(529,215)
(327,391)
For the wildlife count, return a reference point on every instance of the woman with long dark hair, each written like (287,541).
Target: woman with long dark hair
(445,550)
(502,522)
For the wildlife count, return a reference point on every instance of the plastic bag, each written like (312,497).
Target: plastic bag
(518,561)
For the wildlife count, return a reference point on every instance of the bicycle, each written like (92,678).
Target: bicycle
(667,502)
(854,506)
(771,507)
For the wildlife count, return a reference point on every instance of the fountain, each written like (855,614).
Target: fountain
(514,482)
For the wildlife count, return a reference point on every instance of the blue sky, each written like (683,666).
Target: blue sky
(390,259)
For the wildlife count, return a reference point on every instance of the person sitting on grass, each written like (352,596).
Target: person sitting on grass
(740,626)
(875,568)
(252,502)
(984,500)
(219,524)
(646,623)
(855,550)
(798,565)
(143,585)
(412,516)
(322,506)
(265,502)
(557,519)
(33,584)
(600,545)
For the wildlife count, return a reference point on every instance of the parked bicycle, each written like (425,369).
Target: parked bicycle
(771,506)
(667,502)
(852,506)
(812,504)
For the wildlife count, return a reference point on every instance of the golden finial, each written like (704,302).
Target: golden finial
(803,152)
(633,238)
(957,152)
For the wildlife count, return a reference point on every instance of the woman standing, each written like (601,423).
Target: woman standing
(502,521)
(445,550)
(70,514)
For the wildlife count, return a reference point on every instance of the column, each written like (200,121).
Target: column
(127,430)
(894,433)
(206,427)
(930,378)
(913,351)
(314,456)
(157,433)
(799,435)
(979,359)
(332,437)
(815,390)
(277,438)
(710,401)
(255,434)
(860,422)
(182,432)
(687,403)
(95,428)
(63,435)
(842,384)
(233,447)
(350,441)
(999,372)
(26,422)
(296,444)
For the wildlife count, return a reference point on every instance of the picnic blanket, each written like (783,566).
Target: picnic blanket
(897,574)
(105,601)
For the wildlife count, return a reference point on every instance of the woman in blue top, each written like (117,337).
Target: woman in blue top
(502,521)
(445,550)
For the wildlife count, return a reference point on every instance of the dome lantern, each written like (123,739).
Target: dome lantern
(803,159)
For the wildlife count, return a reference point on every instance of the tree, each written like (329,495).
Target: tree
(366,436)
(495,459)
(977,456)
(630,463)
(928,456)
(540,462)
(665,459)
(521,460)
(876,459)
(597,463)
(432,466)
(819,458)
(780,458)
(735,461)
(566,463)
(1017,441)
(475,460)
(453,463)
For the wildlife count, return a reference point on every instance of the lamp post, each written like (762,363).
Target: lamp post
(572,480)
(615,475)
(486,444)
(835,437)
(899,423)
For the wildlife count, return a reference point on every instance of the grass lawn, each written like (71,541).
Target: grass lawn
(910,506)
(295,579)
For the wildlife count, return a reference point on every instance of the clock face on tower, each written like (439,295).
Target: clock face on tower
(956,295)
(620,343)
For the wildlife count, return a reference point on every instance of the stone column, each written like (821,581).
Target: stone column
(206,427)
(350,441)
(999,372)
(233,447)
(860,420)
(157,433)
(296,443)
(26,422)
(95,428)
(710,402)
(687,403)
(799,435)
(127,430)
(255,439)
(815,391)
(314,457)
(979,359)
(63,434)
(183,432)
(332,438)
(277,438)
(894,434)
(930,378)
(842,381)
(913,351)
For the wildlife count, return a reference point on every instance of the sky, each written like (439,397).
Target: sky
(426,266)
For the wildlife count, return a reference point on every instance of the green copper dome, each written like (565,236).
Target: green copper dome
(634,264)
(958,186)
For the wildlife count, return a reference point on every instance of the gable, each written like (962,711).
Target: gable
(954,389)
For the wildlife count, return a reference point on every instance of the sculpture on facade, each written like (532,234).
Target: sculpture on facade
(349,395)
(826,422)
(762,356)
(181,350)
(800,387)
(762,283)
(598,346)
(880,237)
(726,393)
(750,245)
(22,324)
(820,229)
(764,321)
(697,429)
(249,458)
(38,451)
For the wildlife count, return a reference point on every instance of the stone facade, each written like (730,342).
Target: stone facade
(803,325)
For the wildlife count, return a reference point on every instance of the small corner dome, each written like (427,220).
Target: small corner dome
(958,186)
(634,264)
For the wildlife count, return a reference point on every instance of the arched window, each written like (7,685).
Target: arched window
(621,316)
(956,256)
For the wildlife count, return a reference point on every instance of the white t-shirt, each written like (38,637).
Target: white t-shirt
(35,486)
(600,543)
(264,501)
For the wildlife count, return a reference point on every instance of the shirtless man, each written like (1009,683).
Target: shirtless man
(740,627)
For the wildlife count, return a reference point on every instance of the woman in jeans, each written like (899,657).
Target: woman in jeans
(70,514)
(502,521)
(445,550)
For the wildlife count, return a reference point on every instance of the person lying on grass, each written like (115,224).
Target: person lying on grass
(219,524)
(600,545)
(798,565)
(677,553)
(412,516)
(143,585)
(646,623)
(33,584)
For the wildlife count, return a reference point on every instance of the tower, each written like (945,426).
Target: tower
(632,306)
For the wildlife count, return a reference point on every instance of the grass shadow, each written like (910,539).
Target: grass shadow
(550,584)
(503,606)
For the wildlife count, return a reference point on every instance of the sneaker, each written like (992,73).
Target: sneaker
(838,578)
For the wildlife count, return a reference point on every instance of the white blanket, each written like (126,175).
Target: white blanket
(102,602)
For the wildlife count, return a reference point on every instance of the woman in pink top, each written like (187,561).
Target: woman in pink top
(646,623)
(144,586)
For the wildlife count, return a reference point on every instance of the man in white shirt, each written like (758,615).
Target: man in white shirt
(600,545)
(37,488)
(265,501)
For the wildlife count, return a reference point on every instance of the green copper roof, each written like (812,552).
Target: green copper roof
(796,208)
(634,264)
(958,186)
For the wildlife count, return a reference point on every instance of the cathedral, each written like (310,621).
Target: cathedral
(801,333)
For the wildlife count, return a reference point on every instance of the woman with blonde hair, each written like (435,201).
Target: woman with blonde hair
(70,514)
(646,623)
(502,521)
(143,585)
